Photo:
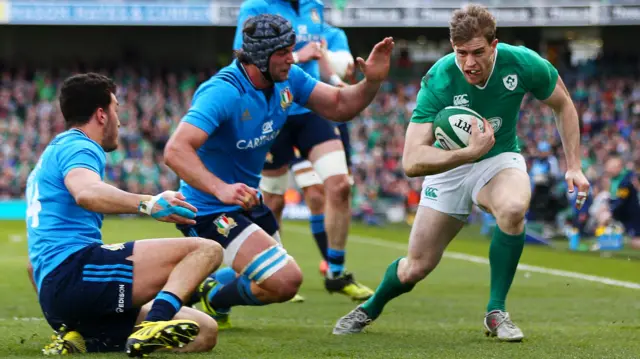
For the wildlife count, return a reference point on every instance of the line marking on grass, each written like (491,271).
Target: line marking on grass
(481,260)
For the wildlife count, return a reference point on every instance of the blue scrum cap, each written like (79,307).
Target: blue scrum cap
(264,34)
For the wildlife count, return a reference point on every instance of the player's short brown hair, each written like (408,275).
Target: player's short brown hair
(472,21)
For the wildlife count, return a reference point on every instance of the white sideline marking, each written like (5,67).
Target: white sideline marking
(482,260)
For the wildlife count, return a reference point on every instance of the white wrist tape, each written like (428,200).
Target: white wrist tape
(296,59)
(147,206)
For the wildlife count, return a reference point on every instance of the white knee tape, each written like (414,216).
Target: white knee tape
(275,185)
(302,166)
(266,263)
(331,164)
(307,179)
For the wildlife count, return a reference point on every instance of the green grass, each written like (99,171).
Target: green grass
(441,318)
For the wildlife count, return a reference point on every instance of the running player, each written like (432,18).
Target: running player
(94,294)
(317,141)
(491,79)
(218,151)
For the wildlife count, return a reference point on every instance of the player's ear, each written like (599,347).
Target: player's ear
(494,43)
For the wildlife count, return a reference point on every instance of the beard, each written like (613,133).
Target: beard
(110,136)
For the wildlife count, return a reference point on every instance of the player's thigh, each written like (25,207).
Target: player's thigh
(502,184)
(431,233)
(154,260)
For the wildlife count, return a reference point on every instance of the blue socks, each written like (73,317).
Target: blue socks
(319,234)
(238,292)
(335,258)
(164,307)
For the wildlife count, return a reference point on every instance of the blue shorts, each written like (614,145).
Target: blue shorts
(303,132)
(92,292)
(227,226)
(341,129)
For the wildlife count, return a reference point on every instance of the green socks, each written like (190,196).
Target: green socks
(390,288)
(504,255)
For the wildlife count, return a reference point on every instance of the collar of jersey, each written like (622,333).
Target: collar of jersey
(495,59)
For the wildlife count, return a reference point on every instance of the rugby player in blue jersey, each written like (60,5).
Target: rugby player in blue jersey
(316,139)
(98,297)
(218,151)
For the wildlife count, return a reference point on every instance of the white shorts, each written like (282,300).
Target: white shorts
(454,192)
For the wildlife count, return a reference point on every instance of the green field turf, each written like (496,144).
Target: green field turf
(561,317)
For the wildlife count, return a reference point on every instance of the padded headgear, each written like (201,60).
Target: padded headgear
(264,34)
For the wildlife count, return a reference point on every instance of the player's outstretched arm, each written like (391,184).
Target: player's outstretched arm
(181,156)
(91,193)
(569,128)
(343,104)
(420,158)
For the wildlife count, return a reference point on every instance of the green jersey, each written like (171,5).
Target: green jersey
(516,71)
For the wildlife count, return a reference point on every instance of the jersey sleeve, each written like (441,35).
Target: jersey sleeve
(211,107)
(247,10)
(542,75)
(81,154)
(338,42)
(302,85)
(428,102)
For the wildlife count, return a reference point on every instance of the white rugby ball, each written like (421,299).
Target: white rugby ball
(452,126)
(340,61)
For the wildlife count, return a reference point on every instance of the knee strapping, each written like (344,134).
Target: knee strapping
(266,263)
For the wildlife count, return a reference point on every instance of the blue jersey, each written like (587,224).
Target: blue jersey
(336,39)
(56,225)
(242,122)
(308,23)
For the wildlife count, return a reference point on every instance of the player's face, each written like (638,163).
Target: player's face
(280,64)
(110,135)
(476,57)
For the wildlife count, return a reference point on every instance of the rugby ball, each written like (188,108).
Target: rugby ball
(452,127)
(340,61)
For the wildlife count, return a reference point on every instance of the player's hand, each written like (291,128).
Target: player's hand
(311,51)
(239,194)
(480,142)
(575,178)
(376,68)
(170,206)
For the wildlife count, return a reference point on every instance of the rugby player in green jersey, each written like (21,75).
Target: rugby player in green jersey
(491,79)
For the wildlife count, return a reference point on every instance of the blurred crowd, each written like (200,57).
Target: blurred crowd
(151,105)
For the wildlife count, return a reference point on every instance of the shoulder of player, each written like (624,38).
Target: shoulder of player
(515,55)
(227,82)
(439,75)
(259,5)
(72,141)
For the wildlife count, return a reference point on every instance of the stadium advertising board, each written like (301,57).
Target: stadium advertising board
(225,14)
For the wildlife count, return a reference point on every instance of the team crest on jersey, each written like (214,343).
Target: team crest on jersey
(269,158)
(113,247)
(286,98)
(461,100)
(315,17)
(225,225)
(510,82)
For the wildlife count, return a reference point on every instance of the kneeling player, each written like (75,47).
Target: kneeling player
(219,149)
(491,79)
(96,295)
